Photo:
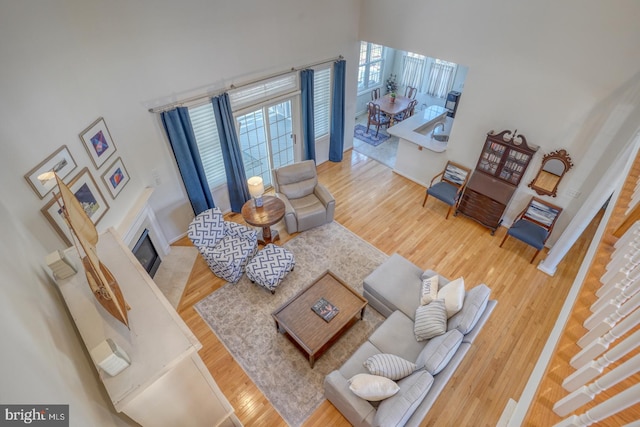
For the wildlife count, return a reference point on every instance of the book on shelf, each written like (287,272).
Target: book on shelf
(325,309)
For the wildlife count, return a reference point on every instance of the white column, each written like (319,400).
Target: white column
(598,346)
(595,367)
(617,403)
(610,182)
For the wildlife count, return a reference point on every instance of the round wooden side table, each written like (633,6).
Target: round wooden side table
(271,211)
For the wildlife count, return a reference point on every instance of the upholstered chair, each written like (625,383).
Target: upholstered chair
(376,117)
(450,186)
(534,224)
(226,246)
(308,203)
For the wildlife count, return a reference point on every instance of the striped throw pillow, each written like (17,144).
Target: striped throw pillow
(390,366)
(430,320)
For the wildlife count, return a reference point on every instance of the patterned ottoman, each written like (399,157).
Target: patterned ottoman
(269,266)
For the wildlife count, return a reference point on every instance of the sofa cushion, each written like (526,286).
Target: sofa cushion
(475,302)
(396,336)
(453,296)
(396,410)
(389,365)
(396,284)
(429,290)
(431,320)
(354,364)
(439,351)
(372,387)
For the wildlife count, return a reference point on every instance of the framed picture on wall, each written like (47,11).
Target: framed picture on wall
(115,177)
(84,187)
(59,162)
(97,140)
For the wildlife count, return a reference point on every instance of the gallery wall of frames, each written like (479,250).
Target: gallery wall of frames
(110,168)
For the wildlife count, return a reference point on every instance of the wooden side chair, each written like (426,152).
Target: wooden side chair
(375,94)
(410,111)
(376,117)
(410,92)
(534,224)
(452,181)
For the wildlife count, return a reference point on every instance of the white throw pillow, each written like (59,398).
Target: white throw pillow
(372,387)
(429,290)
(453,296)
(430,320)
(389,365)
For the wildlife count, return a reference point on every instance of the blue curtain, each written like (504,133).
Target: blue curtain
(183,143)
(336,138)
(231,153)
(308,129)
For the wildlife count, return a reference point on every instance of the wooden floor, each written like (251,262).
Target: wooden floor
(386,210)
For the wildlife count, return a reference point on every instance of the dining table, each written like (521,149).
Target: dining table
(390,108)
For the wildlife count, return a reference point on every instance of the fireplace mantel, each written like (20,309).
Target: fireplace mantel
(139,218)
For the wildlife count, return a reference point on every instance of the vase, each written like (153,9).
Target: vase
(393,99)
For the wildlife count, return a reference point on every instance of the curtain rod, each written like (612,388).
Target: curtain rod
(167,107)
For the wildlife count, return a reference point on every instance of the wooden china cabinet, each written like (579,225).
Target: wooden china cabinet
(502,164)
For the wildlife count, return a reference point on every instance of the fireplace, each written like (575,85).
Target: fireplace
(146,253)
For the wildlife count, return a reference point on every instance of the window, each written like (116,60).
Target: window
(413,70)
(321,101)
(205,129)
(370,69)
(441,78)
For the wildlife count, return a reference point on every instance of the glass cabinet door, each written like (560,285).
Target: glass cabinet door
(491,157)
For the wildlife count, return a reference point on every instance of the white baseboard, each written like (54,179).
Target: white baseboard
(506,413)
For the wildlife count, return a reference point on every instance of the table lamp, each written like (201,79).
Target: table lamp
(256,189)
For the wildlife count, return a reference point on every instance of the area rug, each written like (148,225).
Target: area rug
(174,271)
(240,315)
(360,132)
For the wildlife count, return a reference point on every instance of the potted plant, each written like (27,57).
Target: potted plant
(392,95)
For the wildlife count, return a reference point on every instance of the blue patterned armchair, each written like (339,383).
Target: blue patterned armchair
(226,246)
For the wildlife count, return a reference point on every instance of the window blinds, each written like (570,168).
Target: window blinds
(321,101)
(262,91)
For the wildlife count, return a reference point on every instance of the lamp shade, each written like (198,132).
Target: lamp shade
(256,186)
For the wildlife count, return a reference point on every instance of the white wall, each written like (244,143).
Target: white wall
(546,68)
(42,359)
(66,63)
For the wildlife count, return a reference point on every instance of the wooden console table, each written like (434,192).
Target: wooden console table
(167,383)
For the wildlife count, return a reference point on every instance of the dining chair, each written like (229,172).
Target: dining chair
(534,224)
(410,92)
(375,94)
(410,111)
(376,117)
(452,181)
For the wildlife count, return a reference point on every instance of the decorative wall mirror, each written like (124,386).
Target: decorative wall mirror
(554,166)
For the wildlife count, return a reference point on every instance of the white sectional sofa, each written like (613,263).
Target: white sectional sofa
(394,290)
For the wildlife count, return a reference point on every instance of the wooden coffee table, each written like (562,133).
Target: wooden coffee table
(271,211)
(306,329)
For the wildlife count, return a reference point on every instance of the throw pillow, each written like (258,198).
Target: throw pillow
(430,320)
(453,296)
(389,365)
(372,387)
(439,351)
(429,290)
(397,410)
